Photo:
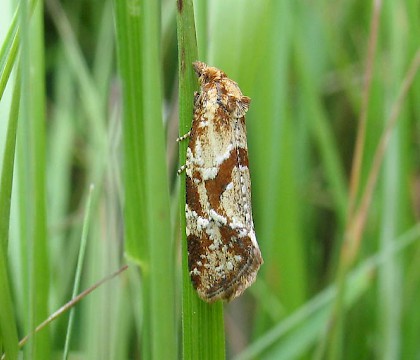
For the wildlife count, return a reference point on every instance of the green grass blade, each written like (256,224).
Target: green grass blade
(128,31)
(10,47)
(147,195)
(8,52)
(394,194)
(8,328)
(160,244)
(86,222)
(6,180)
(320,127)
(201,11)
(33,129)
(89,93)
(128,28)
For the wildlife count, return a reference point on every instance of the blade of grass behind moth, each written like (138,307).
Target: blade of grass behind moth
(160,243)
(32,129)
(90,94)
(128,40)
(355,175)
(6,181)
(396,207)
(104,53)
(70,304)
(86,221)
(275,137)
(202,324)
(201,9)
(8,52)
(318,124)
(8,329)
(320,128)
(10,48)
(335,330)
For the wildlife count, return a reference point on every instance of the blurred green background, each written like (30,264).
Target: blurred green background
(92,98)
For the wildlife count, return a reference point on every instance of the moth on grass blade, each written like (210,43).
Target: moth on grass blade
(223,253)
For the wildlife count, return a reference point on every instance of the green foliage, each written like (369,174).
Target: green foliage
(333,133)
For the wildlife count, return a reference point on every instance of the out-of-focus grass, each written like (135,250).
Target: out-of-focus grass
(90,116)
(32,180)
(8,326)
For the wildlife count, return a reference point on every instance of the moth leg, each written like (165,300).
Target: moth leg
(181,169)
(183,137)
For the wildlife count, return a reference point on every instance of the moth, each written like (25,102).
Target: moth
(223,253)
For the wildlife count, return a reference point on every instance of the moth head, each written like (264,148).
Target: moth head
(207,74)
(229,96)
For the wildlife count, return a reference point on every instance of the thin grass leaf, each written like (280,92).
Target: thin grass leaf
(10,47)
(8,328)
(145,168)
(129,33)
(6,180)
(70,305)
(321,130)
(8,52)
(89,93)
(201,12)
(394,197)
(86,222)
(32,128)
(128,30)
(160,245)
